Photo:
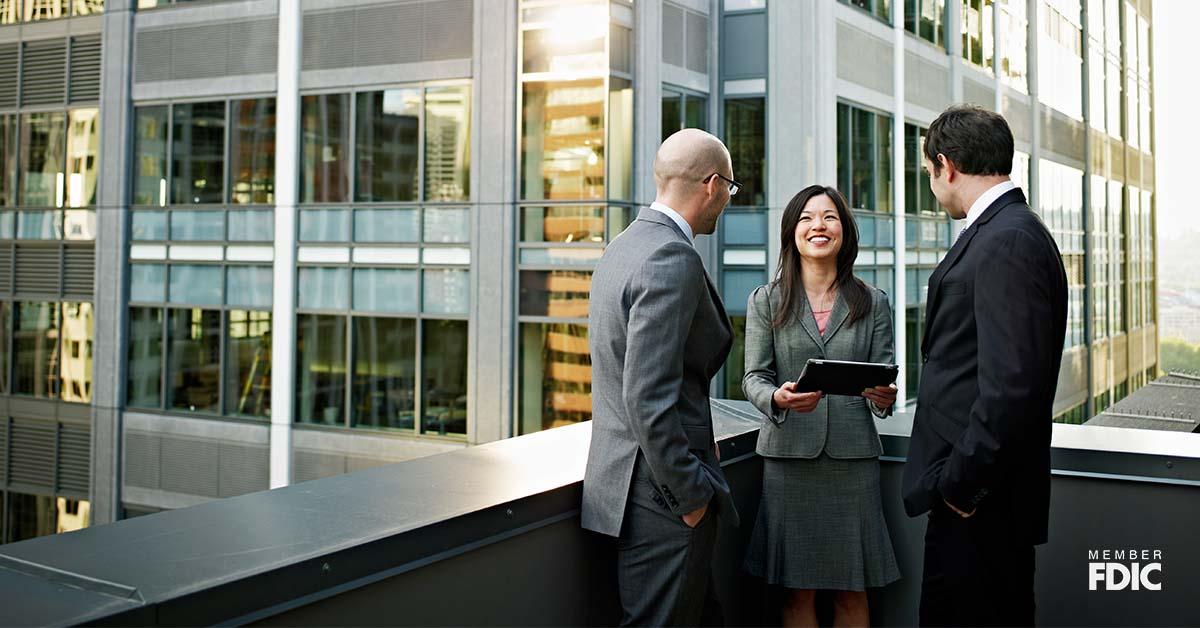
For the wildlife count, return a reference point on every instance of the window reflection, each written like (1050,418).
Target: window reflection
(745,133)
(43,147)
(5,326)
(324,159)
(198,153)
(444,372)
(562,224)
(252,151)
(563,140)
(8,159)
(76,370)
(555,376)
(320,369)
(558,293)
(83,143)
(145,354)
(150,156)
(36,332)
(73,514)
(194,359)
(38,10)
(387,144)
(248,364)
(384,387)
(620,139)
(448,143)
(30,516)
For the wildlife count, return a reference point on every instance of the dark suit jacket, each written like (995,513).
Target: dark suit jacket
(992,347)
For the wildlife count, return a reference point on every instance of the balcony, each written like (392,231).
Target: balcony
(490,535)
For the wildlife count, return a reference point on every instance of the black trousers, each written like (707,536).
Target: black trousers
(664,568)
(972,576)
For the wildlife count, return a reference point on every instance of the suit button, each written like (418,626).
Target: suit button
(924,359)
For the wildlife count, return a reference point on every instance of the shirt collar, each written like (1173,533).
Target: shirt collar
(985,201)
(674,215)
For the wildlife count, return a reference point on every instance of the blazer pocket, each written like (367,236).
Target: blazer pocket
(698,437)
(954,287)
(947,428)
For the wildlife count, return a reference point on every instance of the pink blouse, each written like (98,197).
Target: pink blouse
(822,319)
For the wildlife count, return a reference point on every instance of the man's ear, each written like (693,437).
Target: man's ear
(948,166)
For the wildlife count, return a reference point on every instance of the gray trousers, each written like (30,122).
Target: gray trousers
(664,568)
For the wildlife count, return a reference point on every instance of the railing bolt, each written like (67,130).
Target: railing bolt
(325,568)
(1170,465)
(509,513)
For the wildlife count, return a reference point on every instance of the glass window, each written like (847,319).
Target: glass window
(195,285)
(149,225)
(738,284)
(447,291)
(252,151)
(865,158)
(8,225)
(10,13)
(744,228)
(194,359)
(562,224)
(43,152)
(384,389)
(444,377)
(39,224)
(735,364)
(147,282)
(562,154)
(30,516)
(83,158)
(324,158)
(672,108)
(745,133)
(87,7)
(558,293)
(324,225)
(145,356)
(251,225)
(76,369)
(620,139)
(387,132)
(79,224)
(555,376)
(197,225)
(447,225)
(324,288)
(448,143)
(248,364)
(36,331)
(387,225)
(198,153)
(150,156)
(320,369)
(385,290)
(249,286)
(8,158)
(695,112)
(5,325)
(553,50)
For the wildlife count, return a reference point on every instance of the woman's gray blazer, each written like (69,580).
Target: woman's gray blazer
(842,427)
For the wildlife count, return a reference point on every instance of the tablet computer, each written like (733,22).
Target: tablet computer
(836,377)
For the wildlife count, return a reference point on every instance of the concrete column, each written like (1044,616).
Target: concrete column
(112,207)
(954,13)
(801,105)
(647,97)
(492,350)
(283,315)
(1089,306)
(1035,104)
(899,154)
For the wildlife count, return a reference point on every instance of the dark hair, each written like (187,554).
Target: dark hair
(978,141)
(788,278)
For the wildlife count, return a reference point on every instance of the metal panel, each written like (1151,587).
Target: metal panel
(977,93)
(8,75)
(1062,135)
(853,45)
(243,469)
(744,46)
(32,461)
(43,72)
(152,56)
(199,51)
(143,453)
(672,34)
(387,34)
(3,451)
(74,459)
(6,267)
(84,85)
(37,269)
(79,271)
(1017,114)
(311,465)
(926,83)
(697,42)
(189,465)
(254,47)
(326,43)
(448,30)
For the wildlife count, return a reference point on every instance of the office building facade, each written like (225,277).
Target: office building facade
(249,243)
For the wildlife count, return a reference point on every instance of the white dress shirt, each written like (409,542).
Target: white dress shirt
(674,215)
(985,201)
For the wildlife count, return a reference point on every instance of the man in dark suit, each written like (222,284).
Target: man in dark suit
(979,457)
(658,332)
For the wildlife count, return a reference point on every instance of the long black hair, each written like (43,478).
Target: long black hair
(789,279)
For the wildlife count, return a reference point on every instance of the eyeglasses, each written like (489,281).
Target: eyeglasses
(734,186)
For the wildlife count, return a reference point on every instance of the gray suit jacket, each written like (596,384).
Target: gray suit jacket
(658,333)
(840,426)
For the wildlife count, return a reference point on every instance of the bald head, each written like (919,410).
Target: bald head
(686,158)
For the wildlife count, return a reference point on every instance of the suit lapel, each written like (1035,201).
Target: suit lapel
(809,322)
(841,310)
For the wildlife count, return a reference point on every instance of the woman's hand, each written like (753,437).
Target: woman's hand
(786,397)
(882,396)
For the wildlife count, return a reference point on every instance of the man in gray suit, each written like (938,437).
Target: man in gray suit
(658,333)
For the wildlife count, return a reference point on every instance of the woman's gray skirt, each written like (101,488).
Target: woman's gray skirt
(820,526)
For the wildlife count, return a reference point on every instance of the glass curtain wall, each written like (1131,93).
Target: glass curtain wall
(576,176)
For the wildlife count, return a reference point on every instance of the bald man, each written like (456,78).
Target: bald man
(658,333)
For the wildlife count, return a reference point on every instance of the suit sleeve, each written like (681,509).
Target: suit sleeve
(883,342)
(759,382)
(663,299)
(1014,317)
